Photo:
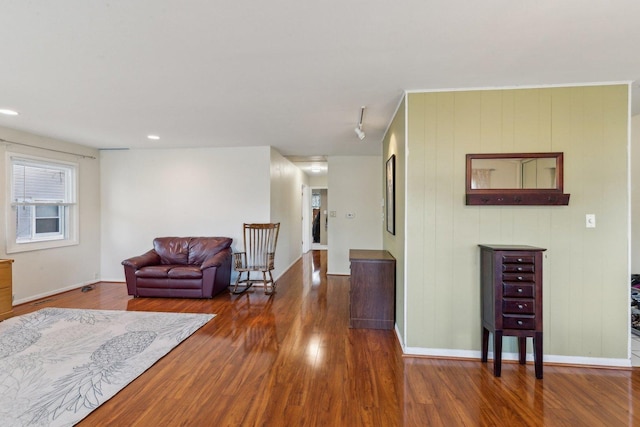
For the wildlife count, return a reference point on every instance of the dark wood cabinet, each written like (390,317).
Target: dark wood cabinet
(372,289)
(511,290)
(6,289)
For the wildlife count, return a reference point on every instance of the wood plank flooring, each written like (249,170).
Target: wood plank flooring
(291,360)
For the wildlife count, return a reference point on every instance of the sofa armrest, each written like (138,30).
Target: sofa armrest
(148,258)
(217,260)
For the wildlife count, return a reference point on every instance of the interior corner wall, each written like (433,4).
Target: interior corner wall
(394,144)
(355,197)
(286,208)
(586,283)
(179,192)
(45,272)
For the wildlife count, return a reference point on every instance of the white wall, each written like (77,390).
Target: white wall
(394,143)
(355,184)
(45,272)
(179,192)
(286,208)
(324,215)
(319,181)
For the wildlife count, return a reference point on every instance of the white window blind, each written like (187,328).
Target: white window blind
(42,202)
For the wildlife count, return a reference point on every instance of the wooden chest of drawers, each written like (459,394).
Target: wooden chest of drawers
(6,289)
(511,291)
(372,289)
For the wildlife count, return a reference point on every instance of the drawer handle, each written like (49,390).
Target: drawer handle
(520,277)
(520,322)
(520,290)
(519,259)
(520,306)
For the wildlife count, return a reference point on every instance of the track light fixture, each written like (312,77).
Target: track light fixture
(358,128)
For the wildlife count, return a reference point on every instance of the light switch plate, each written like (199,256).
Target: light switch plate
(590,220)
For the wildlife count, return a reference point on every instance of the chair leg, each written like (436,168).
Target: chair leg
(235,286)
(269,283)
(273,284)
(238,281)
(265,282)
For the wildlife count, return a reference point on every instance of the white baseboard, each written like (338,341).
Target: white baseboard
(116,280)
(54,292)
(233,276)
(595,361)
(399,336)
(90,282)
(275,279)
(550,358)
(442,352)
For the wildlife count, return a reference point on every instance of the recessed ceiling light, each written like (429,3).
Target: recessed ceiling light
(154,137)
(8,112)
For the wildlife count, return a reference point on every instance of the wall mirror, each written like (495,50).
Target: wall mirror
(515,179)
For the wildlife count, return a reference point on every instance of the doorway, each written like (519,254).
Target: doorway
(319,218)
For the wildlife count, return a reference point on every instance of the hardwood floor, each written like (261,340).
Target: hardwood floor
(291,360)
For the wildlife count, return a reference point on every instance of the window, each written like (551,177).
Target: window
(43,204)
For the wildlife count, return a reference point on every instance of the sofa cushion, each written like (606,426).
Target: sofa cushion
(156,271)
(185,272)
(172,250)
(170,271)
(201,248)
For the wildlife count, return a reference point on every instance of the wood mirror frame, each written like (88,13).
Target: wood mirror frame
(517,196)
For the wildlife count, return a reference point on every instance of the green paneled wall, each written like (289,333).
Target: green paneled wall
(586,284)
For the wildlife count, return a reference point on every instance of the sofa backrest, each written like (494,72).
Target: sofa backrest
(202,248)
(188,250)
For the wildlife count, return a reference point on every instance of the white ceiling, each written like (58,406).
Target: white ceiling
(292,74)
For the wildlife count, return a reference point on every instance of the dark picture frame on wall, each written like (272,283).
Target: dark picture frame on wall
(390,196)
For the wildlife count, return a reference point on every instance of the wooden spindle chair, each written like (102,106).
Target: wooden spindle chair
(258,257)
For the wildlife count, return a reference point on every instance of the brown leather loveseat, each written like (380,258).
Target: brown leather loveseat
(180,267)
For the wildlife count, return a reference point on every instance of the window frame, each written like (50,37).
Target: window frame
(67,211)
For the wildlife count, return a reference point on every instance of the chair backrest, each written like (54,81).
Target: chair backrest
(260,244)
